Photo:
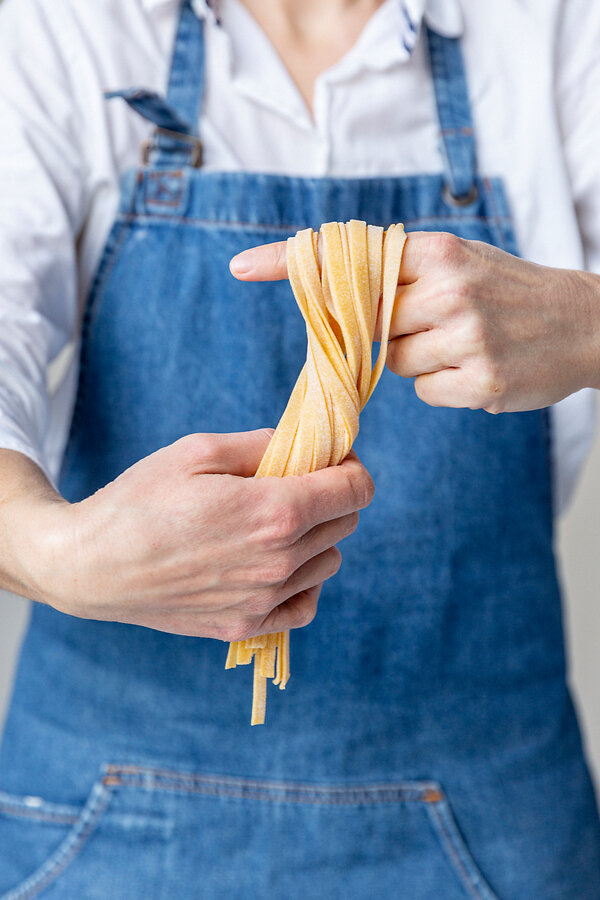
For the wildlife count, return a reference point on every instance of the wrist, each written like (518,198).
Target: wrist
(35,555)
(589,288)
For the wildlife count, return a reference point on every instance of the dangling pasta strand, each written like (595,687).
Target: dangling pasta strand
(339,303)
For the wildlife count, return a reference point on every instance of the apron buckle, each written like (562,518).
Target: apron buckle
(153,143)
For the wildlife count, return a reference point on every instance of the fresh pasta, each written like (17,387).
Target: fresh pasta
(339,301)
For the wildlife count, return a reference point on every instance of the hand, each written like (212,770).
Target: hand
(185,541)
(479,328)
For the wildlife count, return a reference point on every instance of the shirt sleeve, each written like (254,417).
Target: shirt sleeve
(42,191)
(578,105)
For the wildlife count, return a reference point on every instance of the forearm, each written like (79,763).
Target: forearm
(27,504)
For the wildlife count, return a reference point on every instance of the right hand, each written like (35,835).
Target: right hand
(186,542)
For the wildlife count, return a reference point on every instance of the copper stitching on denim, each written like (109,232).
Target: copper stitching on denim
(277,792)
(157,176)
(464,129)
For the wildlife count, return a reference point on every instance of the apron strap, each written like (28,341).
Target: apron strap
(454,114)
(175,143)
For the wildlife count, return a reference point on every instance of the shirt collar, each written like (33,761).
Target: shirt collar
(391,34)
(444,16)
(388,38)
(202,8)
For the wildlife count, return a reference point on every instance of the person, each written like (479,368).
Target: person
(426,745)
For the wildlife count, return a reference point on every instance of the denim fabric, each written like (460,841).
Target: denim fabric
(426,746)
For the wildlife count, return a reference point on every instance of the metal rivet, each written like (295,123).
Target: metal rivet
(466,200)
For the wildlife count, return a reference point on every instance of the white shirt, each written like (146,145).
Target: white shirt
(533,69)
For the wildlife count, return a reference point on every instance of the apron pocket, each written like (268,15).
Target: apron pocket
(39,839)
(232,838)
(76,852)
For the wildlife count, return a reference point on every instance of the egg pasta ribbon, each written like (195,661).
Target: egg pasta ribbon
(339,300)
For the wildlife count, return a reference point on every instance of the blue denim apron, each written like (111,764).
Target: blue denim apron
(426,747)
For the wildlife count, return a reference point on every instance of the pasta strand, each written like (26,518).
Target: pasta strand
(339,302)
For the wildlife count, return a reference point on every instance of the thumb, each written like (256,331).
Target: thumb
(238,453)
(267,262)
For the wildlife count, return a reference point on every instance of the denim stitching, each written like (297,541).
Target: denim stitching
(38,815)
(105,269)
(68,850)
(17,805)
(350,795)
(361,799)
(463,129)
(458,853)
(233,226)
(152,771)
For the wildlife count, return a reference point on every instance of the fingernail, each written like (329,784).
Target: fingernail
(242,263)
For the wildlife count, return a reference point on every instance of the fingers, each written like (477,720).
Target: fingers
(313,572)
(418,354)
(429,288)
(322,537)
(472,387)
(414,311)
(296,612)
(430,252)
(424,251)
(304,588)
(328,493)
(267,262)
(223,454)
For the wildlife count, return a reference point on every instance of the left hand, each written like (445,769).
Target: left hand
(477,327)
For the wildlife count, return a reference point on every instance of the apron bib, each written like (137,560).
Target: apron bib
(426,746)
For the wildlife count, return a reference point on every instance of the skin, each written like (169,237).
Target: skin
(185,541)
(310,36)
(477,327)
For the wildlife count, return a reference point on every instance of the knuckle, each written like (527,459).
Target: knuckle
(424,392)
(478,336)
(352,522)
(284,524)
(305,614)
(394,357)
(459,294)
(309,614)
(491,387)
(198,447)
(335,561)
(278,571)
(234,631)
(362,488)
(450,249)
(261,603)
